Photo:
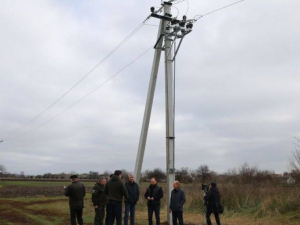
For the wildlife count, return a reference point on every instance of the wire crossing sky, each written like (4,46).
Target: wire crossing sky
(14,131)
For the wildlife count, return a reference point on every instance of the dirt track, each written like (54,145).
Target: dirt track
(16,211)
(24,191)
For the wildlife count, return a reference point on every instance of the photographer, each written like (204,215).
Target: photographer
(212,198)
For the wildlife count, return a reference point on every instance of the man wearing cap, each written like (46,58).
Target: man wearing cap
(176,203)
(211,198)
(99,201)
(115,192)
(76,193)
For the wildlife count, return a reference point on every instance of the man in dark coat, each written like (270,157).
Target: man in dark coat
(115,191)
(76,193)
(153,194)
(99,201)
(176,203)
(133,197)
(211,198)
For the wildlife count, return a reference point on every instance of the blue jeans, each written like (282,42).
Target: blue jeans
(114,211)
(156,210)
(129,208)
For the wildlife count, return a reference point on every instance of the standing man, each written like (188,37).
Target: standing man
(115,191)
(153,194)
(176,203)
(133,197)
(99,201)
(211,198)
(76,193)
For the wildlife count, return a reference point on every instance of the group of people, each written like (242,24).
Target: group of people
(107,198)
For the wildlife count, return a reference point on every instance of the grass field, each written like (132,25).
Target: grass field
(36,203)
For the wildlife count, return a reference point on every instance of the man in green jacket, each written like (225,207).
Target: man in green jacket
(99,201)
(76,193)
(115,192)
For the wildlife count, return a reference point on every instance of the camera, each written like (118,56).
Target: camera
(205,187)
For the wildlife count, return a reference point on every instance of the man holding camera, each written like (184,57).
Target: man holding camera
(212,198)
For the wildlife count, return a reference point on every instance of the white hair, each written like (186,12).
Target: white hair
(130,175)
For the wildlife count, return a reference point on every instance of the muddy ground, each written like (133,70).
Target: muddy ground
(27,191)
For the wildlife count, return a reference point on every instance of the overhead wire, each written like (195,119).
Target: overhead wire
(89,93)
(188,7)
(14,131)
(200,16)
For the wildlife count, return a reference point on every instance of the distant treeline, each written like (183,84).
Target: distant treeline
(245,174)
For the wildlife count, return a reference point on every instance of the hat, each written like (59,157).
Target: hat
(73,176)
(214,184)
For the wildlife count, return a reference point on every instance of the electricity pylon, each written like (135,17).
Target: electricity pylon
(170,29)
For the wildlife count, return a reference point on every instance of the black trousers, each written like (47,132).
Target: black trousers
(76,213)
(177,216)
(99,215)
(114,211)
(215,212)
(156,210)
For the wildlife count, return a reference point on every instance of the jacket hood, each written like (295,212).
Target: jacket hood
(115,178)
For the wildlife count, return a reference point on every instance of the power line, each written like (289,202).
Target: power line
(83,96)
(188,7)
(14,131)
(200,16)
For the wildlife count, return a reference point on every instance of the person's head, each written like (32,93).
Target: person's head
(176,184)
(110,176)
(131,177)
(118,173)
(212,184)
(153,181)
(73,178)
(102,181)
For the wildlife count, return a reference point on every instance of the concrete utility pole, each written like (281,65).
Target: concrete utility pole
(170,115)
(170,29)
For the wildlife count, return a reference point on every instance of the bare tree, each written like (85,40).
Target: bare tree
(157,173)
(294,160)
(247,173)
(203,172)
(2,169)
(183,175)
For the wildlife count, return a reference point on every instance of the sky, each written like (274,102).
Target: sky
(237,85)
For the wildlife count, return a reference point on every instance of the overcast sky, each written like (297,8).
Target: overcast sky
(237,85)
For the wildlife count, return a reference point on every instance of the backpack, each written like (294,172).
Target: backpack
(220,208)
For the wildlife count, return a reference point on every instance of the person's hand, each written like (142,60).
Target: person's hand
(169,210)
(96,207)
(65,187)
(150,198)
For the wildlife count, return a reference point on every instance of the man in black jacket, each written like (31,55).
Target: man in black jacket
(99,201)
(76,193)
(115,191)
(176,203)
(133,197)
(211,198)
(153,194)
